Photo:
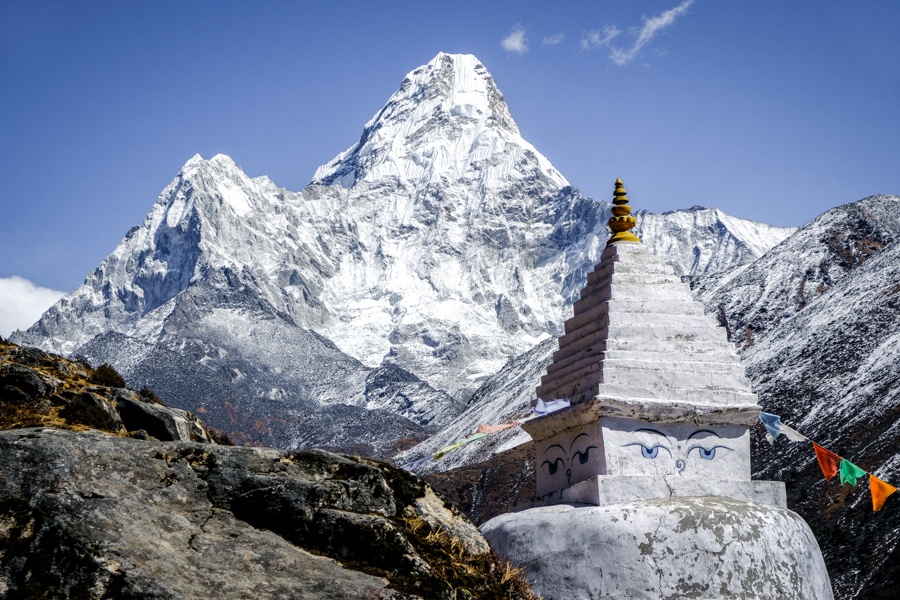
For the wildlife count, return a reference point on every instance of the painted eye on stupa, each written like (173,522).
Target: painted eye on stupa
(707,453)
(584,456)
(553,467)
(650,451)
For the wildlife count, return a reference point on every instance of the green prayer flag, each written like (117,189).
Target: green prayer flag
(850,472)
(457,444)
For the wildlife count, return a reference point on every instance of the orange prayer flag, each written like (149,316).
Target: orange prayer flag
(828,461)
(880,491)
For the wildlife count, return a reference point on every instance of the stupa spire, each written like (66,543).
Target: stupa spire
(622,220)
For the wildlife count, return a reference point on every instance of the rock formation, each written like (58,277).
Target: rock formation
(93,505)
(38,388)
(90,515)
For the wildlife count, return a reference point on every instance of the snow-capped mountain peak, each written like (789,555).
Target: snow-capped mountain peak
(447,120)
(433,250)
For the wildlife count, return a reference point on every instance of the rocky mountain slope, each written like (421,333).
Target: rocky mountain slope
(818,320)
(363,311)
(504,398)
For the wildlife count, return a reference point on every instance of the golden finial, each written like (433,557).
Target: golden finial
(622,220)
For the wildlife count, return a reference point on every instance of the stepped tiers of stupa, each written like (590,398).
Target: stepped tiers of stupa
(641,342)
(643,483)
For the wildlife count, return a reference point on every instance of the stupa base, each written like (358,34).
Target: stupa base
(687,547)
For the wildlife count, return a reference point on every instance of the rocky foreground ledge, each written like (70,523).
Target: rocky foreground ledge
(105,493)
(90,515)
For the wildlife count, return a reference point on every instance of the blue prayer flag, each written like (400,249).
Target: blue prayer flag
(772,424)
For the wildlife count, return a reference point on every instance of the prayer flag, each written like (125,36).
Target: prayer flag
(828,461)
(880,491)
(416,463)
(850,472)
(545,408)
(449,448)
(774,428)
(485,428)
(772,424)
(458,443)
(792,434)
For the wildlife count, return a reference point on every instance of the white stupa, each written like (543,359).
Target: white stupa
(643,483)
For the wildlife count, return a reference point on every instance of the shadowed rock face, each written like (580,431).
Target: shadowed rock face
(89,515)
(39,388)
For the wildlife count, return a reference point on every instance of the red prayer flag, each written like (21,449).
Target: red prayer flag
(880,491)
(828,461)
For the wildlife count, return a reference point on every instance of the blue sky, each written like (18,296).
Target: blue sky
(769,110)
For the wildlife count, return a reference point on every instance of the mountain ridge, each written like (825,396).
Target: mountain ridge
(454,247)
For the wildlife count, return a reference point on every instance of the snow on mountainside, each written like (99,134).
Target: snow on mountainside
(504,398)
(455,212)
(448,121)
(713,240)
(413,266)
(792,276)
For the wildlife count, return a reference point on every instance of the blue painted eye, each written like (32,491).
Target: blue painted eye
(707,453)
(650,452)
(553,467)
(583,456)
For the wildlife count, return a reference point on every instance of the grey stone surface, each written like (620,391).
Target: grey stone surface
(89,515)
(39,388)
(91,407)
(25,379)
(702,548)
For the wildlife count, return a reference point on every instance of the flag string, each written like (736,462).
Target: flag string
(830,463)
(540,409)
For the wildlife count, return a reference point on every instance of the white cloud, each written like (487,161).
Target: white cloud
(599,39)
(22,303)
(651,27)
(552,40)
(516,41)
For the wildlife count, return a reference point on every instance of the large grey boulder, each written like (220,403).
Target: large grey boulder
(162,422)
(92,515)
